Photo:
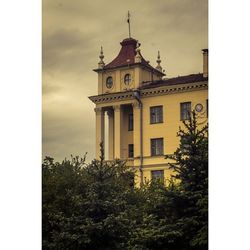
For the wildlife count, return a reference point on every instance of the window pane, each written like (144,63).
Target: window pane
(156,115)
(157,146)
(157,175)
(185,110)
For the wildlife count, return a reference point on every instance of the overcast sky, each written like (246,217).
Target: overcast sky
(74,31)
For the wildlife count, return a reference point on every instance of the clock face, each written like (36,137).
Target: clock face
(109,82)
(127,79)
(198,107)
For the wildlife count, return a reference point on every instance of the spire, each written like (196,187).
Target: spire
(101,64)
(128,21)
(158,67)
(138,53)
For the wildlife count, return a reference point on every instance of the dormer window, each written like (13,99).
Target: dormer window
(127,79)
(109,82)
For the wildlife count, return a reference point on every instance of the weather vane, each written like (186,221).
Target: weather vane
(128,21)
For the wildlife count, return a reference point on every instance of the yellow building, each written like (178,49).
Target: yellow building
(145,109)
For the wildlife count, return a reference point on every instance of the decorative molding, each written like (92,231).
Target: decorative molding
(162,90)
(136,105)
(117,108)
(98,111)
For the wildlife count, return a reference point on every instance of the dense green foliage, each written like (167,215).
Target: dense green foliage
(96,206)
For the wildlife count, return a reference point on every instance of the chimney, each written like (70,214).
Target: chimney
(205,62)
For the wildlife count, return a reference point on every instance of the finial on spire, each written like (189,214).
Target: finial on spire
(101,56)
(138,54)
(158,67)
(128,21)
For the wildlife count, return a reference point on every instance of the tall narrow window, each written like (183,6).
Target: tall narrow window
(130,122)
(156,114)
(157,146)
(157,175)
(130,150)
(185,110)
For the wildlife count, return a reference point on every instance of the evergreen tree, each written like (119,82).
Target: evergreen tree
(191,168)
(96,206)
(87,206)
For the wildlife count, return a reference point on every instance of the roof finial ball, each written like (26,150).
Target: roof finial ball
(138,53)
(101,64)
(158,67)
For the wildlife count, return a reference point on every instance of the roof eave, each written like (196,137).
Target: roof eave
(129,65)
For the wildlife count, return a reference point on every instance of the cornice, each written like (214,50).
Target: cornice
(131,65)
(162,90)
(111,97)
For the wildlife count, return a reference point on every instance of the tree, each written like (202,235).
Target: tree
(87,206)
(96,206)
(191,168)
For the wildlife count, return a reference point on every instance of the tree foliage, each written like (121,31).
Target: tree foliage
(191,168)
(97,206)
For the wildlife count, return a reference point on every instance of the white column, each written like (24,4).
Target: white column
(111,134)
(117,119)
(99,130)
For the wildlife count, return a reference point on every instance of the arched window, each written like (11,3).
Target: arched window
(127,79)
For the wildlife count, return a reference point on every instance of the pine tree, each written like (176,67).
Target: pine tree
(191,171)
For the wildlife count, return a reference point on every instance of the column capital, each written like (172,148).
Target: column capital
(136,105)
(98,110)
(117,107)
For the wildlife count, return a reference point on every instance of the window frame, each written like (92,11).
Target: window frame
(127,79)
(181,111)
(159,177)
(155,121)
(153,148)
(109,80)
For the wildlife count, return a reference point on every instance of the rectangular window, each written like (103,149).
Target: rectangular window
(130,150)
(130,122)
(185,110)
(157,175)
(157,146)
(156,114)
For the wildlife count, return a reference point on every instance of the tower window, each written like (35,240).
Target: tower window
(109,82)
(130,122)
(130,150)
(185,110)
(156,114)
(157,175)
(127,79)
(157,146)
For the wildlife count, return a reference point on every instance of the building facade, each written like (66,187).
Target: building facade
(145,109)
